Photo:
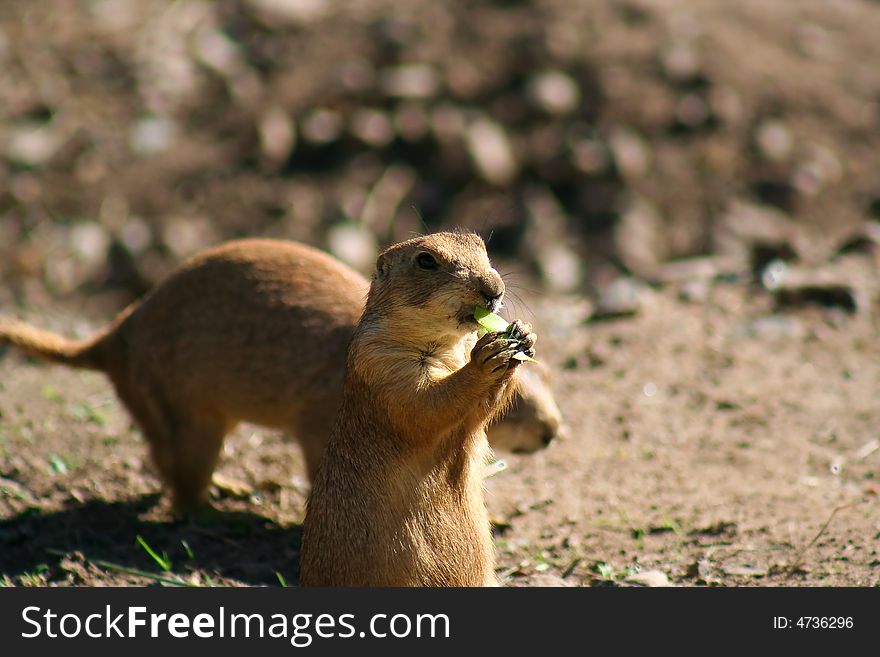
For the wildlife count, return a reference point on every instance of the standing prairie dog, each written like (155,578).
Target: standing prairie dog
(398,499)
(249,331)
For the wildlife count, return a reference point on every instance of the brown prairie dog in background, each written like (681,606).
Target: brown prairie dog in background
(398,499)
(249,331)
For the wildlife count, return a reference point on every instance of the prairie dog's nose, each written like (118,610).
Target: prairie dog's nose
(493,303)
(551,430)
(492,289)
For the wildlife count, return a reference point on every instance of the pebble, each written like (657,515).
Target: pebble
(322,126)
(774,140)
(89,241)
(640,237)
(294,11)
(631,153)
(560,267)
(418,81)
(354,244)
(680,62)
(649,578)
(152,135)
(555,92)
(185,235)
(277,134)
(492,153)
(372,127)
(33,144)
(620,298)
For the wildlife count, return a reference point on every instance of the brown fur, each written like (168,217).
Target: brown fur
(250,331)
(398,500)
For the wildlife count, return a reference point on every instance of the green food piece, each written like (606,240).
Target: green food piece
(490,321)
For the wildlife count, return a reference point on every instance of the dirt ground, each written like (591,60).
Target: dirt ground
(719,443)
(686,192)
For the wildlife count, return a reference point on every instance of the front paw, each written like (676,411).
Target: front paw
(521,339)
(496,354)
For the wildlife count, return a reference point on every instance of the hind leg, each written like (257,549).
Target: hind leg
(188,458)
(184,443)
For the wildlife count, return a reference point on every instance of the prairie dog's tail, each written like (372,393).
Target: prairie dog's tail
(39,343)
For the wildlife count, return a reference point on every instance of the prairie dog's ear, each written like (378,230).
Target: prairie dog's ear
(382,267)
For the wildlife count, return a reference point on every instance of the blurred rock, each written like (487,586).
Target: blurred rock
(218,52)
(759,232)
(560,268)
(277,135)
(354,244)
(640,238)
(491,151)
(774,274)
(384,199)
(89,241)
(186,235)
(293,11)
(774,140)
(555,92)
(620,298)
(549,242)
(694,292)
(680,62)
(372,127)
(152,135)
(322,126)
(632,155)
(411,81)
(700,268)
(136,235)
(651,578)
(33,144)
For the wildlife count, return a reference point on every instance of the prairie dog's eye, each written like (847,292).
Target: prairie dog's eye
(426,261)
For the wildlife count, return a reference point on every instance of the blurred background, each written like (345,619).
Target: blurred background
(705,171)
(591,139)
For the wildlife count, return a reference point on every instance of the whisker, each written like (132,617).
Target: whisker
(421,219)
(516,285)
(518,299)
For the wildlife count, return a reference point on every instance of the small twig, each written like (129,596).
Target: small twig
(798,561)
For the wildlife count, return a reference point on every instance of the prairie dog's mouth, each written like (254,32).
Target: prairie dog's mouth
(492,306)
(495,305)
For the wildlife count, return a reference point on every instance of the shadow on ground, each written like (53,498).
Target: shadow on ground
(226,547)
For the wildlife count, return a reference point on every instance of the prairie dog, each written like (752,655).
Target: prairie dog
(250,331)
(398,499)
